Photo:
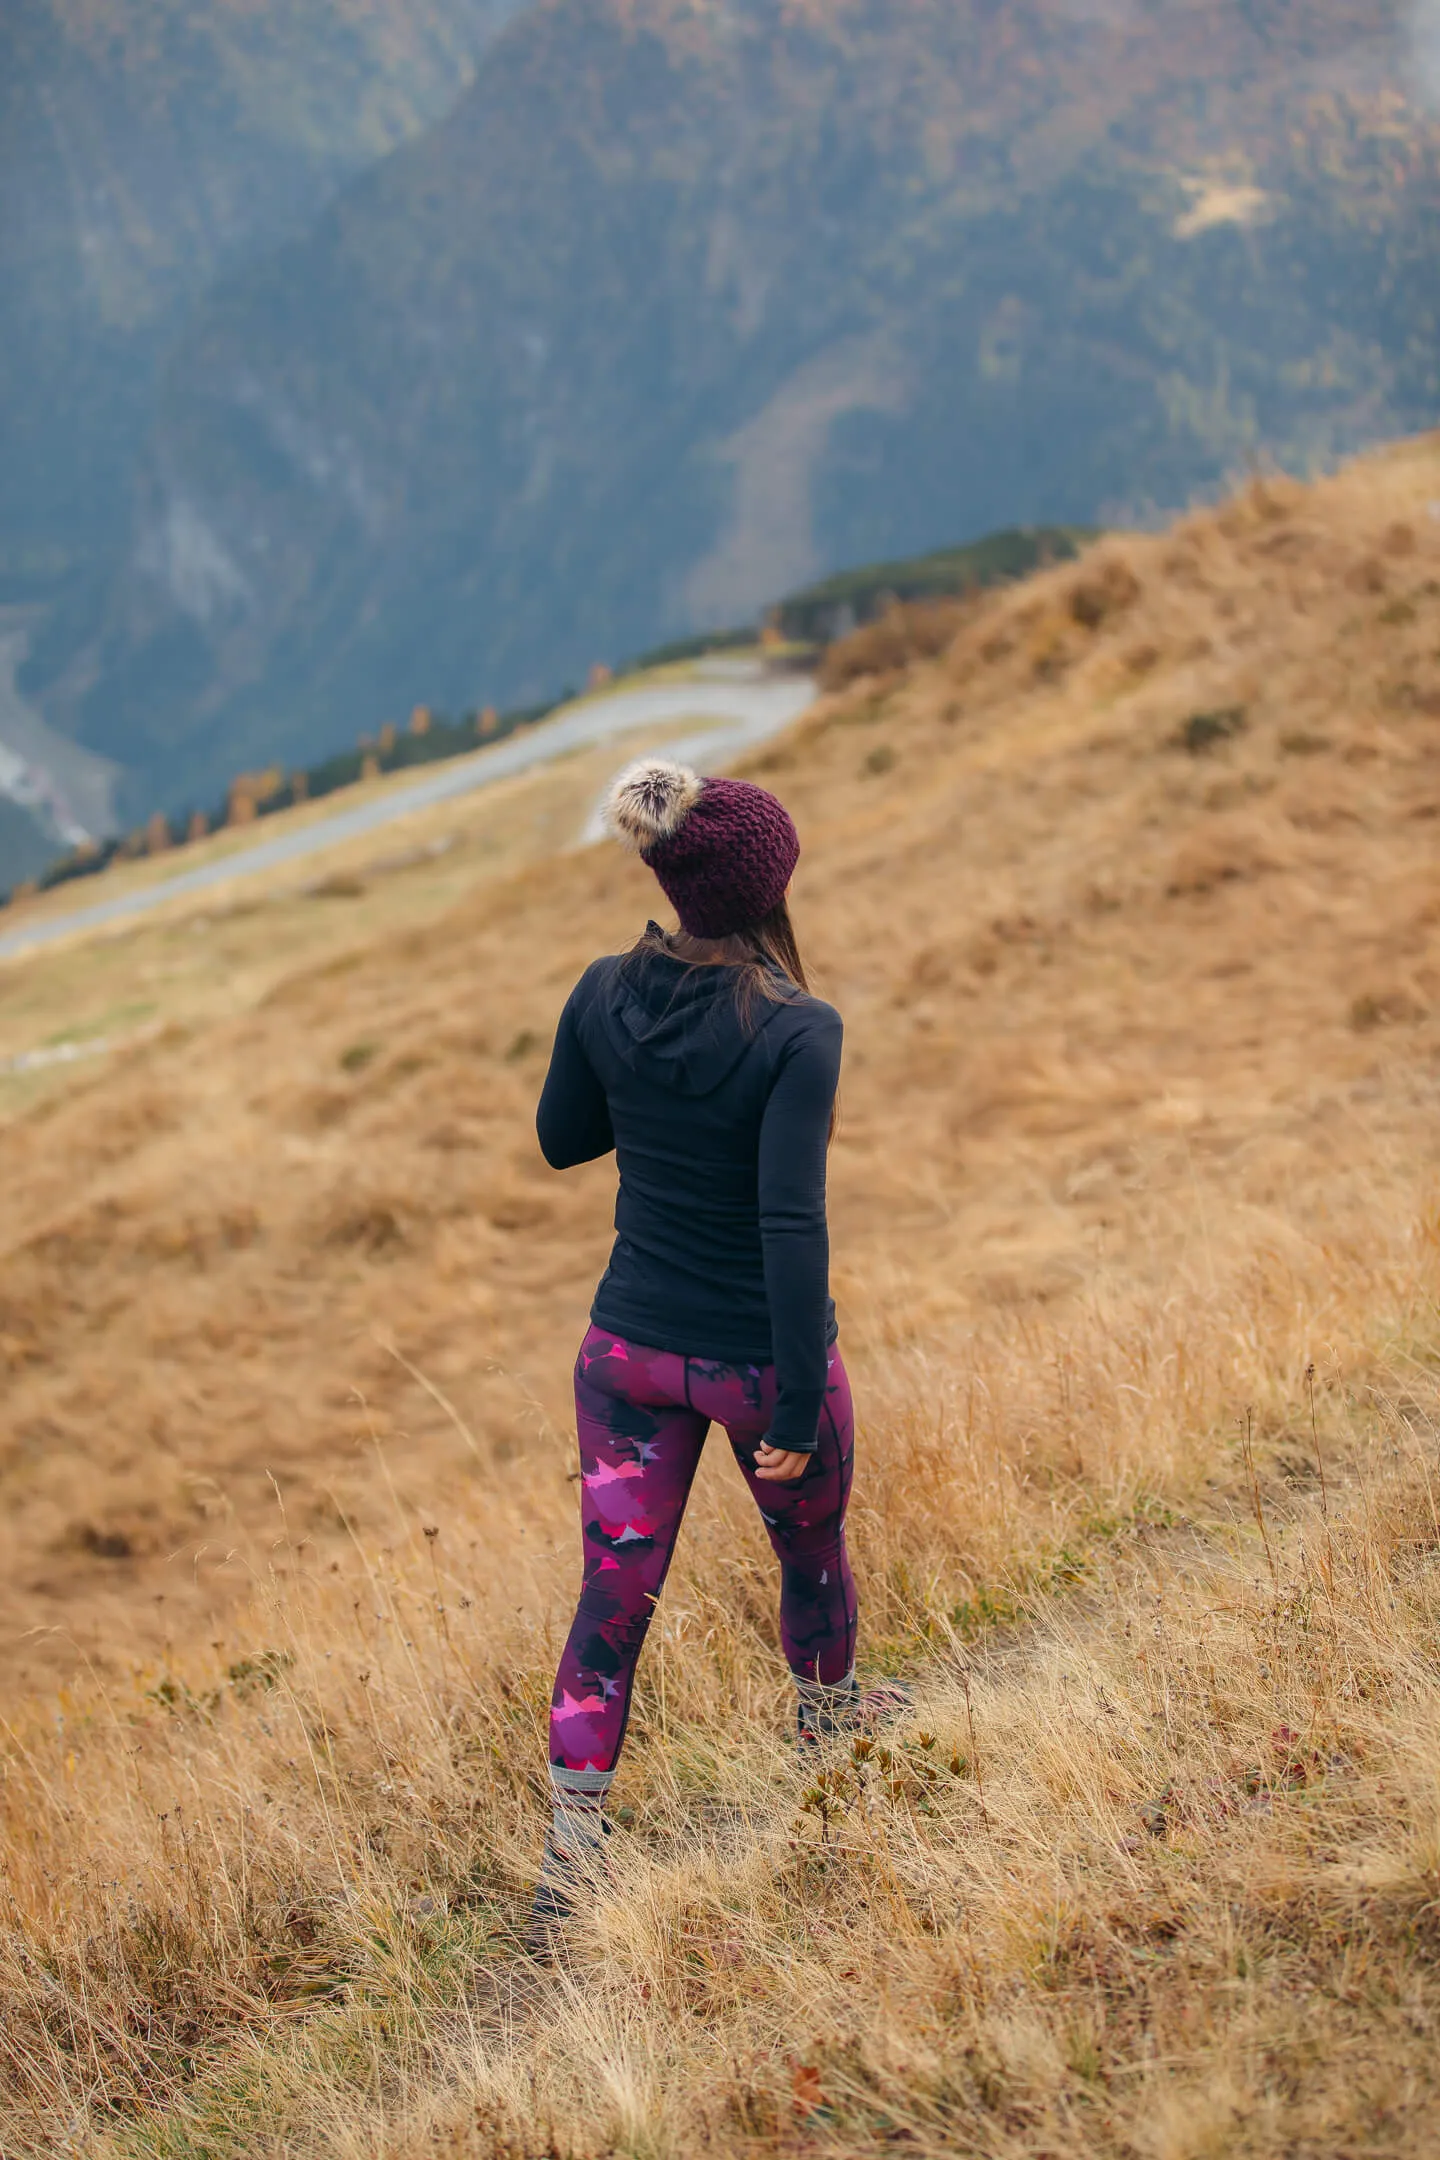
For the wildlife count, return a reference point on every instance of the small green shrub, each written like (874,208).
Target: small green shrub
(1203,730)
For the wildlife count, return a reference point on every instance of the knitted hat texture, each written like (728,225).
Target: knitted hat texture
(723,850)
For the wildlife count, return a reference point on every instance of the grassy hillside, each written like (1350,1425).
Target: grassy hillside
(193,955)
(1129,894)
(683,307)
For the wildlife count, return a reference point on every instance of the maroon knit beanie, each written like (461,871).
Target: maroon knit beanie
(723,850)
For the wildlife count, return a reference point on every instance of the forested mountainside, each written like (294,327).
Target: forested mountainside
(683,304)
(147,147)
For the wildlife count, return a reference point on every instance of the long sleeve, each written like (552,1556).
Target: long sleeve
(572,1120)
(794,1135)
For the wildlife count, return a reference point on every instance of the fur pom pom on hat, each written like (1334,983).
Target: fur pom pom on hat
(723,850)
(649,800)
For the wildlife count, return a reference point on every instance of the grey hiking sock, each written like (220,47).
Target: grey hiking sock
(578,1828)
(574,1855)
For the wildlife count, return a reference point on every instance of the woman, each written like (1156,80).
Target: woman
(704,1062)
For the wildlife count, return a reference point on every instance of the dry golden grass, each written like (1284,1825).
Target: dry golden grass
(1130,897)
(200,956)
(909,630)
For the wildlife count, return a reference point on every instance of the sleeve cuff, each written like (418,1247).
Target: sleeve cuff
(796,1423)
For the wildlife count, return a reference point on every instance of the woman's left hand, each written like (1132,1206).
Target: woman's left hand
(780,1465)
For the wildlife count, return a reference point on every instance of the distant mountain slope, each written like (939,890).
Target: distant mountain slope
(683,305)
(147,146)
(27,845)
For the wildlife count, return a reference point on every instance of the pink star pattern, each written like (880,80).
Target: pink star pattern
(605,1475)
(578,1705)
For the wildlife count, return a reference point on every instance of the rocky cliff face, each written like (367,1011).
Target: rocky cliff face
(682,304)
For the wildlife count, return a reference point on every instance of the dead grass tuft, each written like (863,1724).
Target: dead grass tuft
(909,630)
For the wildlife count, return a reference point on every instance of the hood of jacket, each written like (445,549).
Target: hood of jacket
(676,1024)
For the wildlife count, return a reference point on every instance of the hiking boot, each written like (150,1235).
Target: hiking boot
(552,1905)
(847,1712)
(565,1878)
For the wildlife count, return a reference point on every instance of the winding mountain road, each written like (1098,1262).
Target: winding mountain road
(727,706)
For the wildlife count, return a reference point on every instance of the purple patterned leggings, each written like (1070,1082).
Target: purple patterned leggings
(643,1416)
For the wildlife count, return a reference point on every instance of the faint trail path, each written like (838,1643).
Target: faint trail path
(741,700)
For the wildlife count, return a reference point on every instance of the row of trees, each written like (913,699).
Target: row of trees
(427,737)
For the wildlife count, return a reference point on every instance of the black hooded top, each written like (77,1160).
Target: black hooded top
(720,1127)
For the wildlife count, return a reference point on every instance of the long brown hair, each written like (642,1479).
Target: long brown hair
(765,957)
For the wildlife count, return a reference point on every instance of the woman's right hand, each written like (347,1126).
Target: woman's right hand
(780,1466)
